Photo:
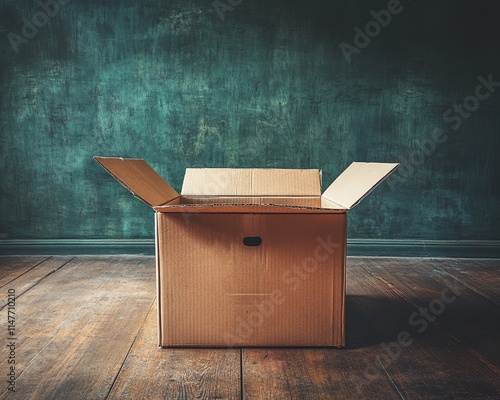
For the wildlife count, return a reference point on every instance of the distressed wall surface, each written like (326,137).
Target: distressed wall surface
(266,86)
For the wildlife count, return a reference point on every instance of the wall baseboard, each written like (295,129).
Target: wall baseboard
(355,247)
(424,248)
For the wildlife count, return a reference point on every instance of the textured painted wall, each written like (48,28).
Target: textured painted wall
(258,84)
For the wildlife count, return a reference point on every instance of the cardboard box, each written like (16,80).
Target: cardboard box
(250,257)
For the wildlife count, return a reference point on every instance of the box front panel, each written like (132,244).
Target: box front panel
(251,279)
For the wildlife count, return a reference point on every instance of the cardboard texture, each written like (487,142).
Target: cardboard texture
(250,257)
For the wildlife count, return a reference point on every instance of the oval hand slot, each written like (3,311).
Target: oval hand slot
(252,241)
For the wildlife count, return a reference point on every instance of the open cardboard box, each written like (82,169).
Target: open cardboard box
(250,257)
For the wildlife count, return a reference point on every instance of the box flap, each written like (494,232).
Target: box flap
(356,182)
(142,180)
(251,182)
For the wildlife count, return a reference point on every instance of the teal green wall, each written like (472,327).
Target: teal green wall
(268,86)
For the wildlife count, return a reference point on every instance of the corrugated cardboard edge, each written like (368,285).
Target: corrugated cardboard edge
(158,283)
(244,208)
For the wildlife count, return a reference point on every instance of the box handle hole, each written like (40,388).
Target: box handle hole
(252,241)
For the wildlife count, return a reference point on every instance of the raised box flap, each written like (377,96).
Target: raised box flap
(356,182)
(142,180)
(248,182)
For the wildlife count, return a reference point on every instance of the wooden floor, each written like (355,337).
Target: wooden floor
(85,328)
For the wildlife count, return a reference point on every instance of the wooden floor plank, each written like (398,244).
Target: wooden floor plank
(435,364)
(150,372)
(312,374)
(481,276)
(34,275)
(11,267)
(83,321)
(43,311)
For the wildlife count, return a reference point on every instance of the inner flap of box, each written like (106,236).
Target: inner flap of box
(355,183)
(142,180)
(247,182)
(246,186)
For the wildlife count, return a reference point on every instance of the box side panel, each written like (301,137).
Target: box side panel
(339,290)
(217,291)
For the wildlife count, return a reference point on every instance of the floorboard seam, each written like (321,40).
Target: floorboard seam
(40,280)
(25,272)
(242,385)
(139,331)
(391,380)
